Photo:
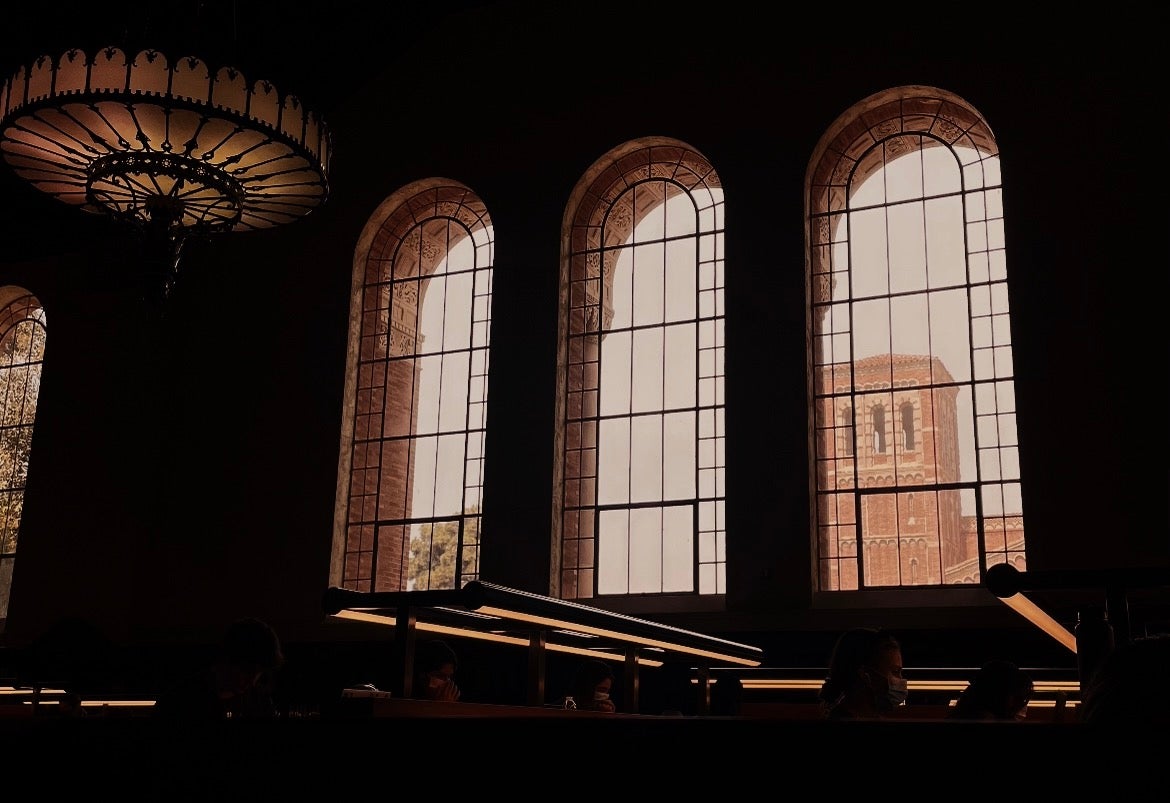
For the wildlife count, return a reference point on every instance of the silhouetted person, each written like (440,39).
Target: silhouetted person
(237,684)
(72,653)
(865,676)
(726,696)
(592,686)
(1131,686)
(435,664)
(1000,690)
(680,695)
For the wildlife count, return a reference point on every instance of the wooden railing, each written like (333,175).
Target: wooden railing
(537,623)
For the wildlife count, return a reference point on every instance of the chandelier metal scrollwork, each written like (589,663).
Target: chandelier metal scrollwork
(174,148)
(125,184)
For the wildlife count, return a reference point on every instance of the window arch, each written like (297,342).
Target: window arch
(410,481)
(847,432)
(877,417)
(639,469)
(907,416)
(22,350)
(909,306)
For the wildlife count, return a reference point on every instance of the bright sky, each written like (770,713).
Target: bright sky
(445,342)
(888,257)
(652,458)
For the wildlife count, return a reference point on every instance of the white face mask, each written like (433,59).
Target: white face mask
(896,692)
(598,696)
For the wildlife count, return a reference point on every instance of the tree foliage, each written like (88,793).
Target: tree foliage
(21,351)
(434,548)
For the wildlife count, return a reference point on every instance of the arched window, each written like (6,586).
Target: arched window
(847,432)
(411,468)
(22,350)
(908,289)
(639,485)
(907,413)
(877,415)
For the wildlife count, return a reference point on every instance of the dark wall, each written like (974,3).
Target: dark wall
(184,464)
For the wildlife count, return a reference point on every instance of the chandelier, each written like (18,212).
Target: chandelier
(172,148)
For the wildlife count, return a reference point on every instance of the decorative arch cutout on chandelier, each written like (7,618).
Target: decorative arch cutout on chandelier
(173,145)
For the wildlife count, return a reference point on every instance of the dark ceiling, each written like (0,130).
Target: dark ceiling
(313,50)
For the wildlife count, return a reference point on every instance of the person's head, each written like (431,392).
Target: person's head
(435,664)
(250,649)
(1131,685)
(999,690)
(865,672)
(593,682)
(726,696)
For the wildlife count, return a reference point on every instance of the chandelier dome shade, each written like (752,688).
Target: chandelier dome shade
(175,145)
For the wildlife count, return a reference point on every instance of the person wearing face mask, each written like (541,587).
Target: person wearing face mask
(864,680)
(592,685)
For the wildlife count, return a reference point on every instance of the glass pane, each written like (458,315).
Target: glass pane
(679,482)
(614,462)
(710,250)
(653,224)
(460,251)
(871,325)
(903,176)
(870,191)
(959,404)
(619,294)
(907,248)
(613,552)
(615,373)
(681,216)
(678,550)
(679,369)
(1007,429)
(880,548)
(425,453)
(646,461)
(940,172)
(680,280)
(944,242)
(449,490)
(419,308)
(649,284)
(430,377)
(910,325)
(1012,499)
(456,313)
(867,253)
(453,405)
(391,491)
(406,258)
(949,336)
(645,550)
(647,370)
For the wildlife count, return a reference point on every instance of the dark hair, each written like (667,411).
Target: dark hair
(589,673)
(854,650)
(432,655)
(997,691)
(251,642)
